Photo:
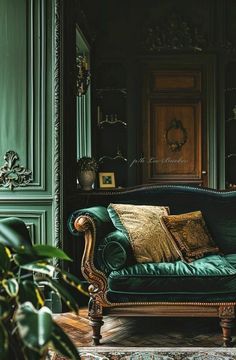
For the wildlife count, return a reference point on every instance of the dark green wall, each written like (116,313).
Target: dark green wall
(120,30)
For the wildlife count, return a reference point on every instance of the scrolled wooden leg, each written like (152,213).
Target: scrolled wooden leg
(227,319)
(96,324)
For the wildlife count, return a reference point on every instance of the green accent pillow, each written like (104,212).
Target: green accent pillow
(114,255)
(190,234)
(141,224)
(114,252)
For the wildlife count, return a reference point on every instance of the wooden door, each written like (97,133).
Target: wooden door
(174,141)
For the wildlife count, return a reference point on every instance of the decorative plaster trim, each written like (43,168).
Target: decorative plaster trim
(57,121)
(173,33)
(12,174)
(177,33)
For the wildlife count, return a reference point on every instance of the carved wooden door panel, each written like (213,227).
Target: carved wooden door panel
(174,142)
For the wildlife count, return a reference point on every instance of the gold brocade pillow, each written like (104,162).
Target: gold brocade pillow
(141,224)
(190,234)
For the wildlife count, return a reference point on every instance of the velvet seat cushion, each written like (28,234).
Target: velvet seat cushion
(142,226)
(212,274)
(231,258)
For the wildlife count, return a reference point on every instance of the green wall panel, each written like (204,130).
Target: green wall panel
(27,101)
(13,76)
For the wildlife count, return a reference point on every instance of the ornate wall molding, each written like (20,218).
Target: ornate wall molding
(12,174)
(57,119)
(173,33)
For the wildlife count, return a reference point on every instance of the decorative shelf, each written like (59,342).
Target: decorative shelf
(118,156)
(110,120)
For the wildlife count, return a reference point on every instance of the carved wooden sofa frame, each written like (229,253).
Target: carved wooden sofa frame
(100,306)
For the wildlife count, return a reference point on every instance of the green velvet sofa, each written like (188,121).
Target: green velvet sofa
(121,287)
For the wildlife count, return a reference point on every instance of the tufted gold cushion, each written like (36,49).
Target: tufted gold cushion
(141,223)
(190,234)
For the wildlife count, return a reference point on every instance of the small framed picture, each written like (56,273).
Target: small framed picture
(107,180)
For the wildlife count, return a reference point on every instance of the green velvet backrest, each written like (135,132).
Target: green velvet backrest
(218,208)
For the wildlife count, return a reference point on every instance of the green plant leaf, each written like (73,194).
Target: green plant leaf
(41,267)
(11,286)
(24,259)
(4,343)
(62,343)
(29,290)
(30,354)
(63,292)
(50,252)
(40,253)
(17,349)
(4,258)
(73,281)
(35,327)
(14,234)
(4,309)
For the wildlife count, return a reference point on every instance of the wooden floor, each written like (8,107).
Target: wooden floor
(160,332)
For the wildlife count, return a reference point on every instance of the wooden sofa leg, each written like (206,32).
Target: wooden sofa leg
(96,324)
(227,325)
(227,316)
(95,317)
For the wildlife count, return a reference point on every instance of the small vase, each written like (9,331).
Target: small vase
(86,179)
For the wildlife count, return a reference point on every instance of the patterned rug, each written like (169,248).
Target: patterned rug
(147,353)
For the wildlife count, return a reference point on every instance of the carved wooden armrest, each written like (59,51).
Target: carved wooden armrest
(95,277)
(83,223)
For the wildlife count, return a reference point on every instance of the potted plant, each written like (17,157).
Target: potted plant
(27,328)
(86,172)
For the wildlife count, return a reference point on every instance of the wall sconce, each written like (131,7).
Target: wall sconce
(82,75)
